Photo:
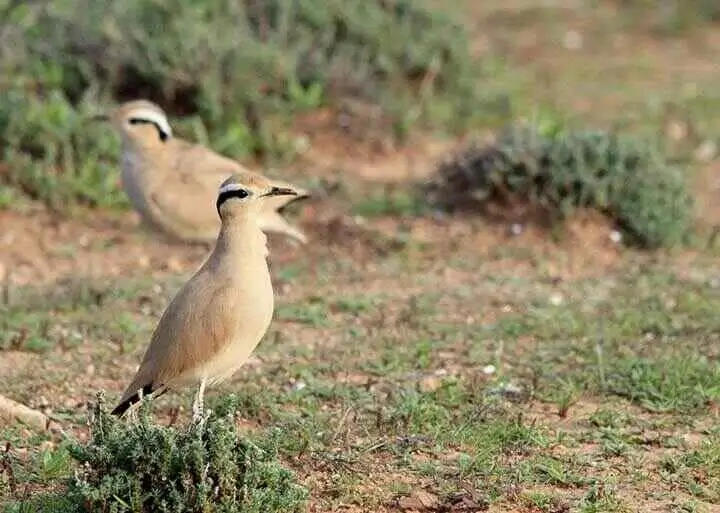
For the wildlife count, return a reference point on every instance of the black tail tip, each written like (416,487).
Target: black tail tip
(124,406)
(135,398)
(147,391)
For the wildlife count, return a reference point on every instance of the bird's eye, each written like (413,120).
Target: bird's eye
(242,193)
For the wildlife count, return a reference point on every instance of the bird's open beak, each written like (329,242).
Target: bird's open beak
(281,191)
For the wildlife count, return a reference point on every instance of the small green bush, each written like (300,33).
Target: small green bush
(560,171)
(137,466)
(232,74)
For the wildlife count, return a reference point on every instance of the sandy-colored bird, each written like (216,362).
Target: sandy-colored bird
(217,319)
(172,182)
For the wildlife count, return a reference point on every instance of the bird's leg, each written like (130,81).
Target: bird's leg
(198,403)
(132,412)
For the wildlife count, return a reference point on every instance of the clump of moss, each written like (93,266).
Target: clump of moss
(626,179)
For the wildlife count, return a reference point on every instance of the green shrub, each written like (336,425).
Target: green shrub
(54,155)
(560,171)
(138,466)
(237,72)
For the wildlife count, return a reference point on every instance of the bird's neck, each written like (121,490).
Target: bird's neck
(141,147)
(140,162)
(242,237)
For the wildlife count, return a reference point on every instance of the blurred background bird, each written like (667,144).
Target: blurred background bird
(172,183)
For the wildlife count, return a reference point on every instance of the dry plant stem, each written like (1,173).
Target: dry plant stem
(10,410)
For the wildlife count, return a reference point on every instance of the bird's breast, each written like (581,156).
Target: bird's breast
(254,309)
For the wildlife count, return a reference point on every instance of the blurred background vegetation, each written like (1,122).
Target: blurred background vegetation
(237,75)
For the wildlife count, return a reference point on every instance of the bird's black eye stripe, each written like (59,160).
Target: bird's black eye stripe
(142,121)
(237,193)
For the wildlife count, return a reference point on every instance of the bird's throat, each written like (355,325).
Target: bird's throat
(242,236)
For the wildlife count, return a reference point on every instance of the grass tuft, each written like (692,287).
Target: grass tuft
(684,384)
(671,17)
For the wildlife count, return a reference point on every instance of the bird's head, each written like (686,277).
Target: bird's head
(244,193)
(139,121)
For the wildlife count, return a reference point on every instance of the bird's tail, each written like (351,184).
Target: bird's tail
(127,402)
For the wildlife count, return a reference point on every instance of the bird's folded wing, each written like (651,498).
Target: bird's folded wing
(195,327)
(201,167)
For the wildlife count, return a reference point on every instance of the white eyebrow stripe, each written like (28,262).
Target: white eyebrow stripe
(155,117)
(230,187)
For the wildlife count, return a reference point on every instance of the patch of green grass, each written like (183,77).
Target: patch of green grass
(544,502)
(601,498)
(40,319)
(647,337)
(553,471)
(671,17)
(697,471)
(674,384)
(56,155)
(356,305)
(8,196)
(390,202)
(314,312)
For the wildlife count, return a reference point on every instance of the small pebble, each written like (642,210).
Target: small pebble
(302,144)
(615,236)
(707,151)
(174,265)
(489,369)
(677,130)
(430,383)
(573,40)
(507,390)
(556,299)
